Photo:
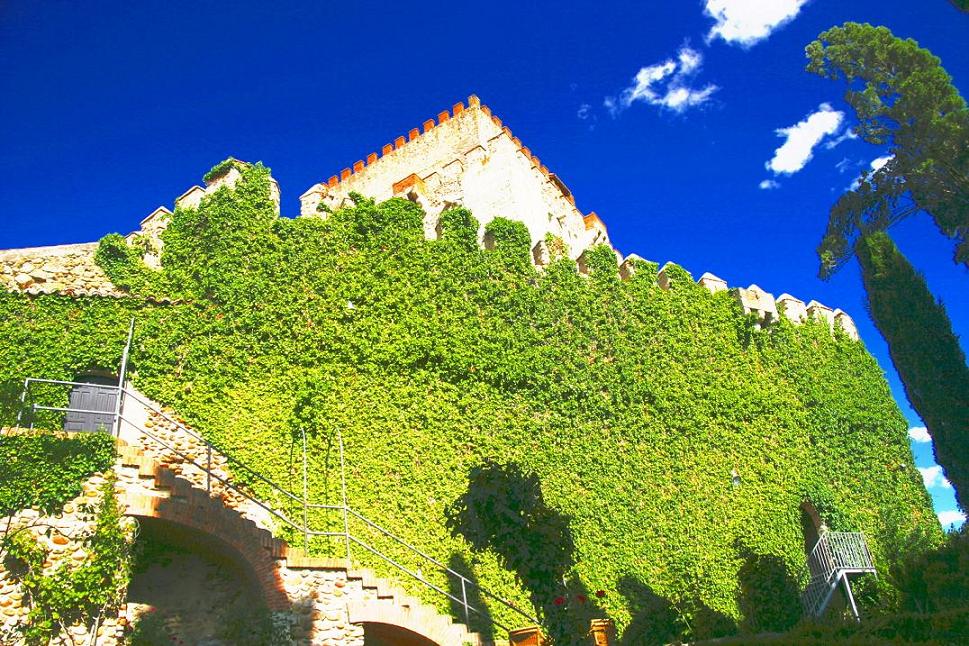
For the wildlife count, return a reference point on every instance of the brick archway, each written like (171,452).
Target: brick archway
(176,501)
(391,625)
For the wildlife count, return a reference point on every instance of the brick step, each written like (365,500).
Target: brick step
(162,482)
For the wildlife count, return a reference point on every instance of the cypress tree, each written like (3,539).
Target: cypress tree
(924,350)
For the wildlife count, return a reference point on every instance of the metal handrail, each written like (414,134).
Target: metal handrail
(303,501)
(833,557)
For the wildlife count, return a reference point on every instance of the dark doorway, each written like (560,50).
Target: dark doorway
(375,634)
(811,528)
(96,393)
(189,588)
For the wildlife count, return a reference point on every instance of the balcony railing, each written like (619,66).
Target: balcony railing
(834,557)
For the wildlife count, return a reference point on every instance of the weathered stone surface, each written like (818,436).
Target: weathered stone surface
(756,301)
(847,323)
(62,269)
(793,308)
(817,310)
(713,283)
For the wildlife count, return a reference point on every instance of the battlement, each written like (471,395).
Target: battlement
(466,156)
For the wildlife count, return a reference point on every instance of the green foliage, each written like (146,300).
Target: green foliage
(511,241)
(905,100)
(557,247)
(45,471)
(947,628)
(123,263)
(222,168)
(627,406)
(601,261)
(459,228)
(924,350)
(73,593)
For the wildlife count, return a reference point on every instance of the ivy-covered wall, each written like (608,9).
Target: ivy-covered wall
(614,410)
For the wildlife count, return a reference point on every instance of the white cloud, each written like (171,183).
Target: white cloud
(768,184)
(802,137)
(876,164)
(746,22)
(666,84)
(948,518)
(846,165)
(690,60)
(919,434)
(932,477)
(583,112)
(848,135)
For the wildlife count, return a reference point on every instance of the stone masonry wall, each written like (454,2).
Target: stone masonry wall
(63,269)
(62,534)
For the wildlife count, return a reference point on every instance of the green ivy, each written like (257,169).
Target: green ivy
(630,405)
(222,168)
(45,471)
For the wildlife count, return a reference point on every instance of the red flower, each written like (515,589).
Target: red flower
(581,598)
(559,601)
(600,593)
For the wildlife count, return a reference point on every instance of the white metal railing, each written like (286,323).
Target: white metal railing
(302,502)
(833,558)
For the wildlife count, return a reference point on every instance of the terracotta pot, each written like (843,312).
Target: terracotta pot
(531,636)
(603,632)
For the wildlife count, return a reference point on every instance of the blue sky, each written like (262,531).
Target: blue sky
(664,117)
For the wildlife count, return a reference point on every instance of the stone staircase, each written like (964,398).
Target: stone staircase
(324,601)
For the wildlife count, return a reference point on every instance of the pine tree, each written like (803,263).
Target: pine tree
(924,349)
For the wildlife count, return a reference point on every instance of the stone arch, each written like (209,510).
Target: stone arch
(811,525)
(390,625)
(253,549)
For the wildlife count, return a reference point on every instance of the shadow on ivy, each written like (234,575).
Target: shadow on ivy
(481,621)
(659,620)
(503,510)
(10,391)
(654,620)
(769,596)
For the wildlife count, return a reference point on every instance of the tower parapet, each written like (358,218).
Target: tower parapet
(466,157)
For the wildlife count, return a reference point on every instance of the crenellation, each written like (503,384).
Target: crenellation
(228,178)
(712,283)
(630,265)
(190,199)
(756,301)
(792,308)
(847,324)
(309,201)
(467,158)
(663,277)
(816,310)
(470,157)
(156,221)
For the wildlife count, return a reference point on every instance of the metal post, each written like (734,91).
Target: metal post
(306,535)
(121,378)
(464,600)
(23,400)
(343,488)
(208,470)
(851,598)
